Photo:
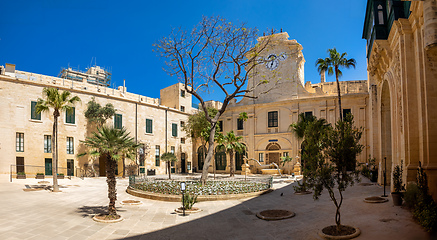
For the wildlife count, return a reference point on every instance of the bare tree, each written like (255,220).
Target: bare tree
(215,53)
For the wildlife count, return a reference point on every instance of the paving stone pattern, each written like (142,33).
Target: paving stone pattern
(68,214)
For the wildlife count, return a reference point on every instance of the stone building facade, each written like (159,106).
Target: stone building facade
(26,136)
(266,133)
(402,77)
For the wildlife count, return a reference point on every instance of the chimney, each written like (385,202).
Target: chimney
(322,76)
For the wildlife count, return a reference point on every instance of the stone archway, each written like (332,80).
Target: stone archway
(273,154)
(386,134)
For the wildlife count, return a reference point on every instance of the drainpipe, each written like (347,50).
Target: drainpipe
(166,110)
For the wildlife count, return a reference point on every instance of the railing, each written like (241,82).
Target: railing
(32,170)
(143,178)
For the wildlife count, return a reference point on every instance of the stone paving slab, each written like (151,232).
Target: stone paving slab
(68,214)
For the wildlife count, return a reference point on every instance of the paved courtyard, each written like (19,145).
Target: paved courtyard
(68,214)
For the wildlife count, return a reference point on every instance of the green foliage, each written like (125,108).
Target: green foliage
(285,160)
(411,195)
(425,209)
(243,116)
(189,200)
(333,63)
(365,171)
(21,173)
(232,143)
(168,157)
(113,141)
(398,185)
(331,161)
(60,174)
(98,114)
(59,101)
(199,127)
(39,173)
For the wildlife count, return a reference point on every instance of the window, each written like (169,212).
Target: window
(182,93)
(346,111)
(33,114)
(47,143)
(308,114)
(172,150)
(380,15)
(182,140)
(149,126)
(261,157)
(70,116)
(285,154)
(182,109)
(118,121)
(273,119)
(174,129)
(157,153)
(20,142)
(182,124)
(220,126)
(70,145)
(239,124)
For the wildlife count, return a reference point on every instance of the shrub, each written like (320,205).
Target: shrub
(40,173)
(21,173)
(398,186)
(411,195)
(425,210)
(60,174)
(189,200)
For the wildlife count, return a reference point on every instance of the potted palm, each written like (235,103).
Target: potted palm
(398,185)
(39,176)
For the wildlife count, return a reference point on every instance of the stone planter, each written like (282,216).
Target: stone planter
(21,176)
(39,177)
(397,198)
(60,176)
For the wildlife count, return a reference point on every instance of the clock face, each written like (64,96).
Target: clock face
(272,62)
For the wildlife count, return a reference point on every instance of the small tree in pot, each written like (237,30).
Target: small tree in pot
(398,185)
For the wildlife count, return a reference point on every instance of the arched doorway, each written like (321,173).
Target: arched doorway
(239,159)
(201,152)
(273,155)
(220,157)
(386,135)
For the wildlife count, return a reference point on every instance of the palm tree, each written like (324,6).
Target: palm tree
(232,143)
(168,157)
(332,64)
(116,144)
(59,101)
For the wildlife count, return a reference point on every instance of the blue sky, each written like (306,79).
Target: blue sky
(44,36)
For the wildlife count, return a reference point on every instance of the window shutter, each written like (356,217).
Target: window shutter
(174,130)
(149,126)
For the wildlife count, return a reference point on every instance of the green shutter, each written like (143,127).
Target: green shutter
(149,126)
(174,129)
(33,114)
(70,116)
(118,121)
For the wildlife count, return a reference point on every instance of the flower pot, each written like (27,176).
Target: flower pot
(39,177)
(397,198)
(60,176)
(21,176)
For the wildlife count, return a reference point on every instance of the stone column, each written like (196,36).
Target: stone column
(430,22)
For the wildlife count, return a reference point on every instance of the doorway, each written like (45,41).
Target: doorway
(48,166)
(183,163)
(19,163)
(70,167)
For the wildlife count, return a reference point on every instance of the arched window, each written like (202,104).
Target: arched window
(220,158)
(380,15)
(239,160)
(201,152)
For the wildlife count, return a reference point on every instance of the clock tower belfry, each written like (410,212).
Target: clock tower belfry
(281,63)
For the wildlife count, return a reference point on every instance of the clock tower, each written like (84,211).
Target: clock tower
(281,64)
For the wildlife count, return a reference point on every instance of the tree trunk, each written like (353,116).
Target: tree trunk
(110,179)
(169,170)
(124,168)
(231,163)
(208,156)
(338,90)
(55,152)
